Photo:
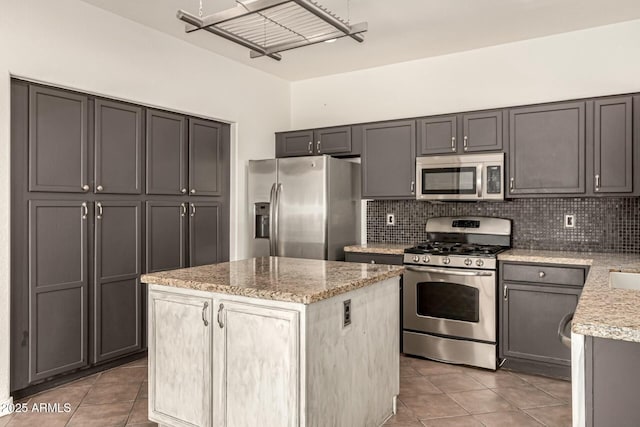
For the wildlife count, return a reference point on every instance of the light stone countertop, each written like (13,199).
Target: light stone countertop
(602,312)
(277,278)
(379,248)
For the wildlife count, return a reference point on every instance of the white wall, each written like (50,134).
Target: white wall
(599,61)
(70,43)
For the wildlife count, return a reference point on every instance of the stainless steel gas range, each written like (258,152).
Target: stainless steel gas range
(450,290)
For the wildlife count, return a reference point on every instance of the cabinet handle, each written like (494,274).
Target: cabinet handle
(85,187)
(193,191)
(193,209)
(464,142)
(413,187)
(183,191)
(597,182)
(310,147)
(373,261)
(318,147)
(99,206)
(541,274)
(204,314)
(453,144)
(99,188)
(85,210)
(220,316)
(184,209)
(511,183)
(505,293)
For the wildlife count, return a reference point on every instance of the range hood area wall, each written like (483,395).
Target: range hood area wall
(601,224)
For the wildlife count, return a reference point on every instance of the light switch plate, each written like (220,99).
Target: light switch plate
(569,221)
(391,219)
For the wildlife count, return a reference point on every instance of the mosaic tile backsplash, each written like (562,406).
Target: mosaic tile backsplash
(601,225)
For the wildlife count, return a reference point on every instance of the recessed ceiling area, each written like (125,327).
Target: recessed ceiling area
(399,31)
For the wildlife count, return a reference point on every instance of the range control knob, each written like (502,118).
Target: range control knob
(468,261)
(479,263)
(446,260)
(426,259)
(416,258)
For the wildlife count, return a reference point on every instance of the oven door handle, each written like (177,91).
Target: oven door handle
(450,272)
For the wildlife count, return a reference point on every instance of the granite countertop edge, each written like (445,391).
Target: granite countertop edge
(378,248)
(602,312)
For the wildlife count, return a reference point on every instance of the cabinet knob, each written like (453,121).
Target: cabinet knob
(373,261)
(183,191)
(99,188)
(541,274)
(85,187)
(193,191)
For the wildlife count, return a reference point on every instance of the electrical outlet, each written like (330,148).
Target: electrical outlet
(346,313)
(391,219)
(569,221)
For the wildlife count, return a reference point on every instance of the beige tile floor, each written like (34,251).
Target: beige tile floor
(431,394)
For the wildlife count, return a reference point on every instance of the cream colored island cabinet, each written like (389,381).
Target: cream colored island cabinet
(274,342)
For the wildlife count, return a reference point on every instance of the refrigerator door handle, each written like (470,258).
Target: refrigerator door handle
(272,235)
(277,219)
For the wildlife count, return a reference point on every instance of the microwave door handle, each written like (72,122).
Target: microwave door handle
(479,181)
(449,272)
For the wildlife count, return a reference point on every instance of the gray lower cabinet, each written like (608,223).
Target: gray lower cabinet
(166,153)
(535,298)
(438,135)
(166,238)
(205,158)
(116,287)
(118,148)
(613,147)
(389,160)
(58,287)
(204,233)
(547,149)
(58,141)
(373,258)
(612,382)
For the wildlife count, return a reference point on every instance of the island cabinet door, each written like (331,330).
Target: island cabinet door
(180,343)
(256,365)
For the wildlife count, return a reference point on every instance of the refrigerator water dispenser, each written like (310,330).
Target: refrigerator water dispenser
(262,220)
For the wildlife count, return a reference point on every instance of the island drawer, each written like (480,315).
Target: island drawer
(372,258)
(543,273)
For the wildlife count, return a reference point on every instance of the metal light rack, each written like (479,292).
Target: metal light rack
(268,27)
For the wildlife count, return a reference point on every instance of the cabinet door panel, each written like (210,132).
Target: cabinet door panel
(118,147)
(438,135)
(166,238)
(180,345)
(204,233)
(257,364)
(613,145)
(389,160)
(166,153)
(335,140)
(116,293)
(292,144)
(547,149)
(58,286)
(205,158)
(482,131)
(531,316)
(58,159)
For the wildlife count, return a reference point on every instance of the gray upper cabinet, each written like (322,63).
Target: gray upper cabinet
(482,131)
(438,135)
(613,159)
(205,158)
(58,157)
(118,148)
(389,160)
(547,149)
(58,286)
(335,140)
(166,153)
(204,231)
(166,238)
(116,295)
(293,144)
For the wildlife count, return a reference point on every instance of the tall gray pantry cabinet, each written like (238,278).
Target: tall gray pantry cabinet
(103,191)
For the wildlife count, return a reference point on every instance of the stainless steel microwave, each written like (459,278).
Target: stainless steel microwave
(460,177)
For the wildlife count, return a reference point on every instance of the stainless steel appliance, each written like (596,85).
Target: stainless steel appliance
(450,290)
(304,207)
(463,177)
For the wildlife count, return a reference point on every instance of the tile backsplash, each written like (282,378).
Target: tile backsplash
(601,224)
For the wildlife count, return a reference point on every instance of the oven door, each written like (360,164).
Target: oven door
(449,182)
(450,302)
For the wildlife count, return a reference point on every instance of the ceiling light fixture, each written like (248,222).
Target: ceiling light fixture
(268,27)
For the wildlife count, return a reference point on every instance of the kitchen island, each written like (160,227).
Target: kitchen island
(274,341)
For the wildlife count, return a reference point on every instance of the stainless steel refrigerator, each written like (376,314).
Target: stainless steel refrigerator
(304,207)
